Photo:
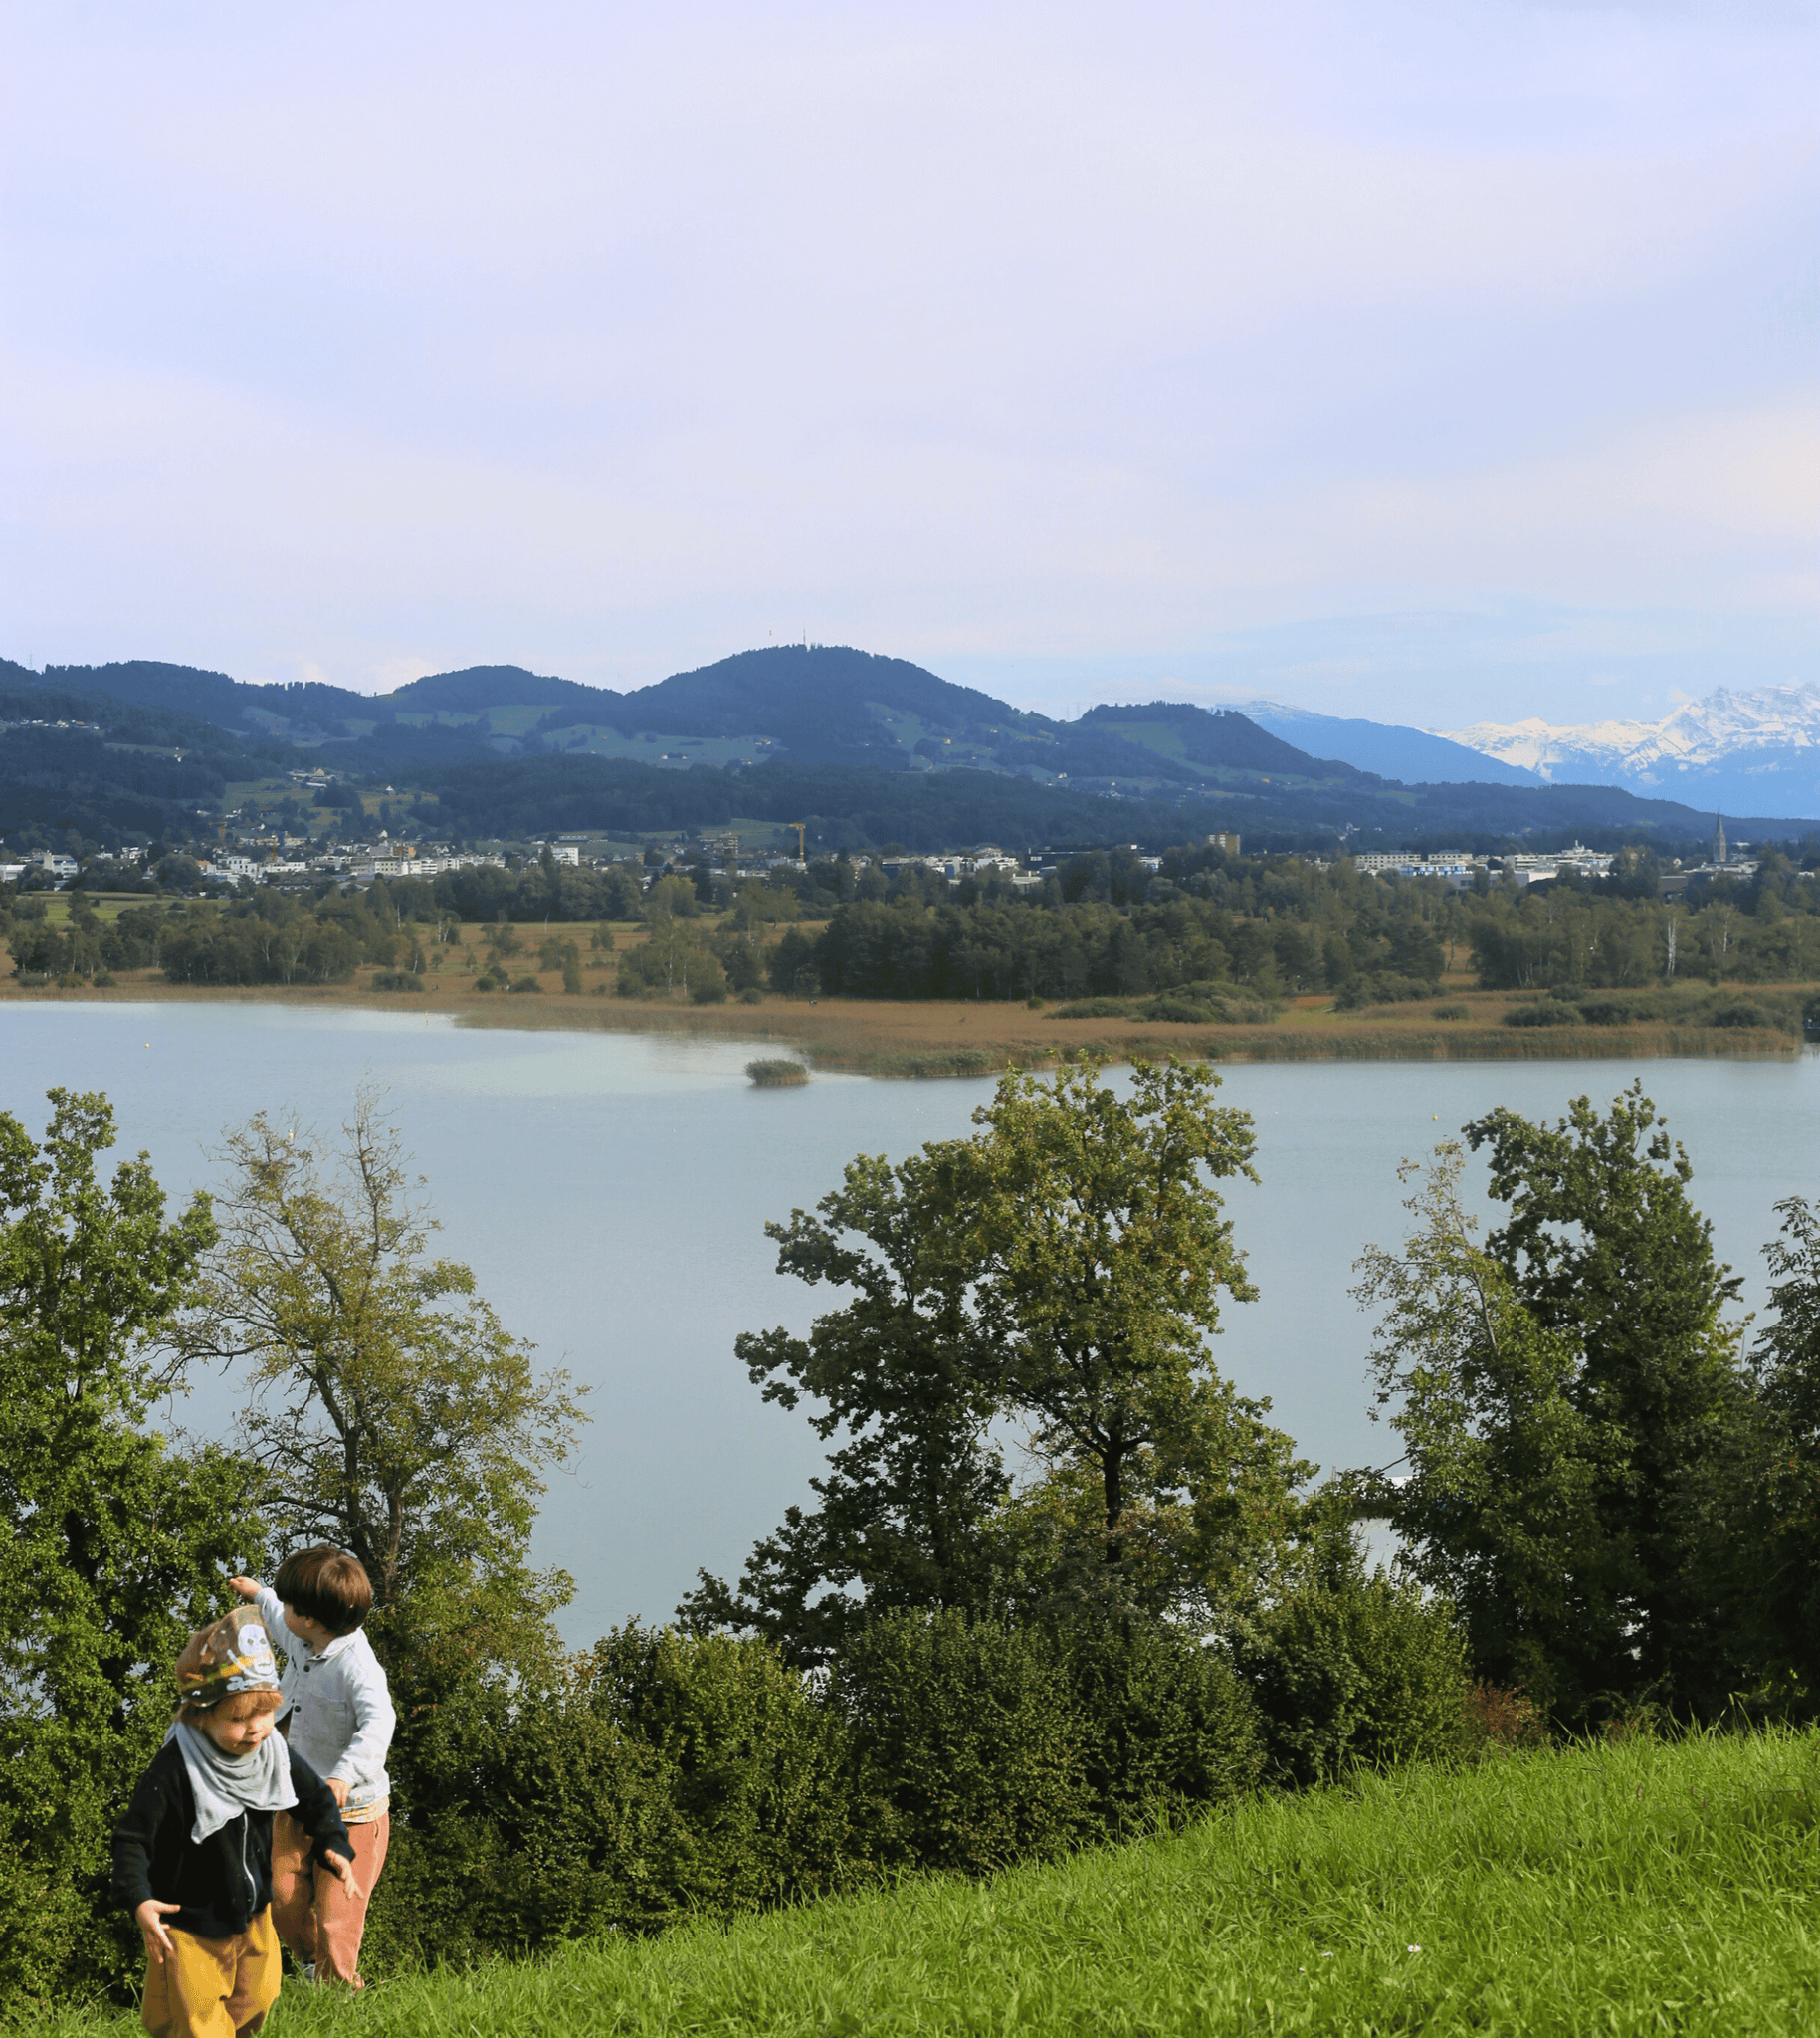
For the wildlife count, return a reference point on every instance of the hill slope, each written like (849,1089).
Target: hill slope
(869,748)
(1630,1888)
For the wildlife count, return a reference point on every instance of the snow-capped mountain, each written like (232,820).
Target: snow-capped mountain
(1756,752)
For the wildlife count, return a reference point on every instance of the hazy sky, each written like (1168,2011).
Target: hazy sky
(1423,361)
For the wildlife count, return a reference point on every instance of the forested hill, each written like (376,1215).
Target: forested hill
(815,705)
(864,750)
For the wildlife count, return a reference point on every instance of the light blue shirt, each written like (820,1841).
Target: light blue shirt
(338,1707)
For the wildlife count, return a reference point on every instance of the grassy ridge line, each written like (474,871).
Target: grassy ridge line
(1646,1888)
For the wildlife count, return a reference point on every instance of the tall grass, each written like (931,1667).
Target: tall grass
(1613,1890)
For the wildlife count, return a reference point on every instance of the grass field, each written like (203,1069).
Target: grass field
(1612,1890)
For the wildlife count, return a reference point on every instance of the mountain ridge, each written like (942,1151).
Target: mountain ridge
(829,729)
(1726,747)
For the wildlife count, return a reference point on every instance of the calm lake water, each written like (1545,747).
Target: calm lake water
(610,1192)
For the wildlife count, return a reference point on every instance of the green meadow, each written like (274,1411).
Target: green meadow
(1644,1887)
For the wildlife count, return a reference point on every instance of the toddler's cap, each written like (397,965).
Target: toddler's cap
(235,1655)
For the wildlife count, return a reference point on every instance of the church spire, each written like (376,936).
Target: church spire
(1719,837)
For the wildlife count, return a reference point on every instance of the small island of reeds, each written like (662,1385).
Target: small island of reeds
(778,1075)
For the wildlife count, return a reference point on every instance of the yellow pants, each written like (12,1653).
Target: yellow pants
(213,1988)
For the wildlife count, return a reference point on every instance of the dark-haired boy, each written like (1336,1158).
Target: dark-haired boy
(192,1856)
(338,1716)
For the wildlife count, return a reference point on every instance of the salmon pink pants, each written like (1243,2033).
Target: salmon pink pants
(315,1917)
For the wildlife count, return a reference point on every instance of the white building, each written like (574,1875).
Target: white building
(1409,863)
(1584,862)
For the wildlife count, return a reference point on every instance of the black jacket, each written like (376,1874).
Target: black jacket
(224,1882)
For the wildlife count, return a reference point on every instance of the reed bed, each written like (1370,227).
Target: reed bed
(777,1075)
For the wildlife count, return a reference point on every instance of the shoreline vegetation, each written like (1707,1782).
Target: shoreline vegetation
(963,1037)
(1195,955)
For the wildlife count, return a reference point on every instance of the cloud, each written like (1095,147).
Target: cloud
(606,340)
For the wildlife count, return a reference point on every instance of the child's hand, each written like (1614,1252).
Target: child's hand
(338,1789)
(248,1589)
(343,1870)
(150,1918)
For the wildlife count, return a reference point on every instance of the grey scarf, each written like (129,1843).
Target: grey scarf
(227,1785)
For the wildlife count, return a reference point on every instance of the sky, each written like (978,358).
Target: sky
(1432,363)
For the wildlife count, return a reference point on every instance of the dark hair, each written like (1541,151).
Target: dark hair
(327,1584)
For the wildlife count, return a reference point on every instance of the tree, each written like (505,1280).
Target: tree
(1057,1270)
(1579,1431)
(1786,1543)
(905,1373)
(390,1410)
(112,1546)
(1103,1251)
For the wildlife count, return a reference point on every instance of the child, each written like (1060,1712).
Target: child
(192,1856)
(339,1716)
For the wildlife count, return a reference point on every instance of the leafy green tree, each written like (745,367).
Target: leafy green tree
(1785,1546)
(1579,1432)
(111,1545)
(907,1374)
(1057,1271)
(1103,1249)
(392,1411)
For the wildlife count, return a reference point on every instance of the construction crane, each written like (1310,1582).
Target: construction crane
(800,826)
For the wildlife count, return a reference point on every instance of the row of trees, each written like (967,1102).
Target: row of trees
(1103,925)
(1766,931)
(1619,1499)
(1056,1580)
(1106,927)
(1000,947)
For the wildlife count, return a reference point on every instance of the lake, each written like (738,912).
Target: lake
(610,1191)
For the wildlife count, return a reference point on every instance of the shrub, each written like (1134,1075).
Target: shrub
(750,1766)
(1166,1727)
(1543,1012)
(1357,1670)
(1743,1014)
(776,1074)
(1188,1009)
(967,1750)
(1382,988)
(1500,1717)
(659,1777)
(396,980)
(1097,1008)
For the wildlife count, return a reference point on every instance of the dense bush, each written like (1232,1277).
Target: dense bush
(1387,987)
(1167,1728)
(1357,1670)
(659,1778)
(967,1748)
(662,1777)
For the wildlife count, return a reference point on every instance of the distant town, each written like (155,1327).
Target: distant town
(284,858)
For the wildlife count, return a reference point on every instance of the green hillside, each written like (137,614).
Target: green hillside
(866,749)
(1640,1888)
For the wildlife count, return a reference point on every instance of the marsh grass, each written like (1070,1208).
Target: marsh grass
(1638,1887)
(777,1075)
